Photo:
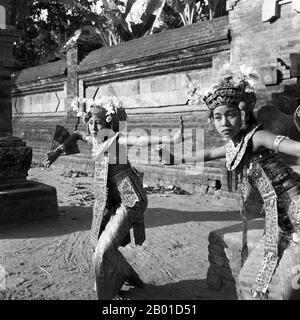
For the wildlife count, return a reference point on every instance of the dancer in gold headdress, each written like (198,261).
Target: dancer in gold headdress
(120,199)
(269,271)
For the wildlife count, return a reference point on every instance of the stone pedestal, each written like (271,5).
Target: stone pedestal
(30,201)
(19,199)
(224,253)
(15,161)
(5,100)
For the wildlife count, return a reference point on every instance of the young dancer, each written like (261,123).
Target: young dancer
(269,271)
(120,199)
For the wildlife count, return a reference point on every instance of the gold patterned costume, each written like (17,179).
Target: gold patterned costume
(269,271)
(120,202)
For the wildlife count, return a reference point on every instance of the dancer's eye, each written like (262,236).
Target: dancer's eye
(231,114)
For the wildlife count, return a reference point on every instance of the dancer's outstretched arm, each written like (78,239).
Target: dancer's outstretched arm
(73,138)
(265,139)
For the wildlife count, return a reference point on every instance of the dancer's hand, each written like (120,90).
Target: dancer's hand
(52,156)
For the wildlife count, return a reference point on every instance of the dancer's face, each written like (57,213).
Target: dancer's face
(95,125)
(227,120)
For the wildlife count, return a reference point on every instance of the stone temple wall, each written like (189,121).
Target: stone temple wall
(151,75)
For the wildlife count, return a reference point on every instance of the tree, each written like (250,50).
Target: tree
(45,25)
(43,28)
(112,17)
(188,10)
(191,11)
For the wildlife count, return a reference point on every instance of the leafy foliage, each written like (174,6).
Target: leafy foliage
(192,11)
(45,25)
(43,28)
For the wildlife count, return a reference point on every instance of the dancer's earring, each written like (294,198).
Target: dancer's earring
(244,115)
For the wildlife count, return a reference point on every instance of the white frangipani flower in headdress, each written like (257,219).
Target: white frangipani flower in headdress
(194,94)
(245,75)
(242,73)
(109,104)
(248,74)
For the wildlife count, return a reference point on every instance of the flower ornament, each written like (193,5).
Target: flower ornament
(194,94)
(248,74)
(244,74)
(107,108)
(81,106)
(232,88)
(107,104)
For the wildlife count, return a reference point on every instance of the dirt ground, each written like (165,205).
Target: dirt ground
(48,259)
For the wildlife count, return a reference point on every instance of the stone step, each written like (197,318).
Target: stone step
(33,202)
(225,252)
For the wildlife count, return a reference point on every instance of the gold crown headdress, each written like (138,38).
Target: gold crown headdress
(233,89)
(231,92)
(108,108)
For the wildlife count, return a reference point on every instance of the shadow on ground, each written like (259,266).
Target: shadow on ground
(73,219)
(69,220)
(256,224)
(182,290)
(156,217)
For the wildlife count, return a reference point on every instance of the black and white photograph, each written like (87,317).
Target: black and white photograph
(150,151)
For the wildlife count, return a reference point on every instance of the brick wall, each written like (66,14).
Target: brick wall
(150,77)
(265,44)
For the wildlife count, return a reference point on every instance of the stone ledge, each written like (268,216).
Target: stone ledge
(205,184)
(16,184)
(224,253)
(34,202)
